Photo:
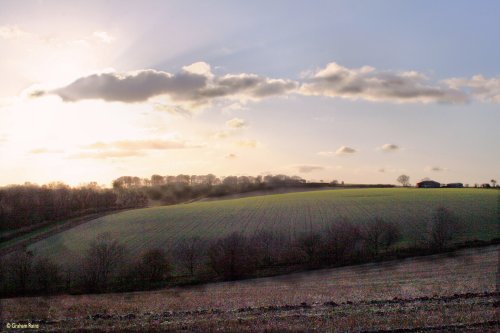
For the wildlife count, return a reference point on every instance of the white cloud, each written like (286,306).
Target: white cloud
(46,151)
(103,36)
(222,134)
(128,148)
(326,153)
(370,84)
(483,89)
(236,123)
(247,143)
(200,68)
(139,145)
(344,150)
(309,168)
(12,32)
(108,154)
(172,109)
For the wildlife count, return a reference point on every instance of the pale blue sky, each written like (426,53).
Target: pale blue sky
(448,131)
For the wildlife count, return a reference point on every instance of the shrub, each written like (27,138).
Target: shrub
(153,266)
(444,226)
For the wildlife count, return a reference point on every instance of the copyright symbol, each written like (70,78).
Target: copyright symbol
(8,325)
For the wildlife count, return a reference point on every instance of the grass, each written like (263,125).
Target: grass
(290,213)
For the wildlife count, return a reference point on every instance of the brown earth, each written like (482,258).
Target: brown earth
(451,292)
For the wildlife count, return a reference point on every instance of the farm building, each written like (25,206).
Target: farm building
(455,185)
(428,184)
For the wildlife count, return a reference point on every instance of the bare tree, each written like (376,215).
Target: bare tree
(103,259)
(404,180)
(46,274)
(391,235)
(231,257)
(340,238)
(310,244)
(189,253)
(20,271)
(380,234)
(269,247)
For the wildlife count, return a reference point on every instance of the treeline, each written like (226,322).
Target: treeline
(108,265)
(29,205)
(181,188)
(26,207)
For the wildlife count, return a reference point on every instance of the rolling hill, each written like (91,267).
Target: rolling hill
(291,213)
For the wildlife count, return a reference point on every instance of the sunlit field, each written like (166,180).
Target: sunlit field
(291,214)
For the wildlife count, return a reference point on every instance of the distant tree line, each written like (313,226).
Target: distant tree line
(181,188)
(29,205)
(107,264)
(175,189)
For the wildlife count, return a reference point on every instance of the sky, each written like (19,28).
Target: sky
(357,91)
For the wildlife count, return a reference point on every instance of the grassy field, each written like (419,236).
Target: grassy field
(290,213)
(452,292)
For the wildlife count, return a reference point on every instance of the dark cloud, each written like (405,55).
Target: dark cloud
(191,86)
(134,87)
(436,169)
(390,147)
(369,84)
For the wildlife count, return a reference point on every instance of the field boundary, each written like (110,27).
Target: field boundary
(54,228)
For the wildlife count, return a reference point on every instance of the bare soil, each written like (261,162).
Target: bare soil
(443,293)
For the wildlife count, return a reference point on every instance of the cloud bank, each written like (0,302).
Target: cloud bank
(196,85)
(367,83)
(481,88)
(128,148)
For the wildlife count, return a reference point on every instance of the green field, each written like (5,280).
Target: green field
(290,213)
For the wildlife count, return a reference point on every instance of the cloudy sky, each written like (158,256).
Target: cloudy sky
(359,91)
